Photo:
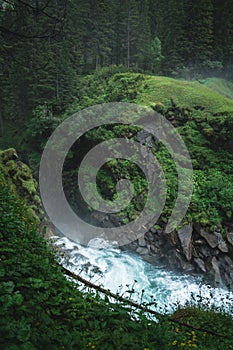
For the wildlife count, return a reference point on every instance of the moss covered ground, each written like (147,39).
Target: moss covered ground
(221,86)
(184,93)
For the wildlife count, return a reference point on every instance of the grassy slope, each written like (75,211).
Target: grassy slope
(221,86)
(162,89)
(207,136)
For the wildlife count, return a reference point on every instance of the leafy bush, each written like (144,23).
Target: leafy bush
(41,309)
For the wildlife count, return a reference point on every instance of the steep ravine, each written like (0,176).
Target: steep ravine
(189,249)
(195,247)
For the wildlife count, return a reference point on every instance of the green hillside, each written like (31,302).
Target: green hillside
(203,117)
(221,86)
(155,89)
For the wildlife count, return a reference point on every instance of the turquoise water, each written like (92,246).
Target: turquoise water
(121,271)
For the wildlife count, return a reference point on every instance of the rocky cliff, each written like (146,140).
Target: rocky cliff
(190,249)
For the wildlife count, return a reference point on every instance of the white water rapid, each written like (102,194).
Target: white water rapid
(121,271)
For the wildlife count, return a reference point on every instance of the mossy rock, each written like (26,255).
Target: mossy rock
(159,107)
(9,154)
(208,131)
(19,177)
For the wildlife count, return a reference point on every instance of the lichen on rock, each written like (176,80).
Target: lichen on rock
(19,177)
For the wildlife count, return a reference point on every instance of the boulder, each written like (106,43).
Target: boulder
(221,242)
(185,237)
(223,246)
(200,263)
(211,238)
(216,271)
(228,261)
(141,242)
(173,238)
(153,249)
(204,251)
(181,263)
(142,251)
(153,230)
(230,237)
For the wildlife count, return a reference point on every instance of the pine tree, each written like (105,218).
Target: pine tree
(200,31)
(172,32)
(155,56)
(101,32)
(223,33)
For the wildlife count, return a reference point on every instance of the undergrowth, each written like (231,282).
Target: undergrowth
(41,309)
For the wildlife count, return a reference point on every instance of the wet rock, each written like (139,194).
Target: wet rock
(204,251)
(228,278)
(230,237)
(185,237)
(200,263)
(173,238)
(228,262)
(181,263)
(153,230)
(142,251)
(216,271)
(153,249)
(149,236)
(211,238)
(142,242)
(160,242)
(221,243)
(223,246)
(199,242)
(130,247)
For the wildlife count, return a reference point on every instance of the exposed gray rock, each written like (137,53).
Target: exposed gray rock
(223,246)
(216,271)
(154,249)
(199,241)
(211,238)
(200,263)
(228,262)
(188,249)
(228,277)
(150,236)
(174,239)
(230,237)
(204,251)
(142,242)
(153,230)
(184,265)
(185,237)
(142,251)
(221,243)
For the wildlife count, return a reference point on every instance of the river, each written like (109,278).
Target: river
(123,272)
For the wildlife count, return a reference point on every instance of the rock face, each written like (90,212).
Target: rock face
(185,237)
(191,250)
(21,181)
(230,237)
(19,177)
(211,239)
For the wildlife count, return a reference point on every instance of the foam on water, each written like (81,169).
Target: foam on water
(121,272)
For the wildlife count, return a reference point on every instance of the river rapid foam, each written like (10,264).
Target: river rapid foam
(129,275)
